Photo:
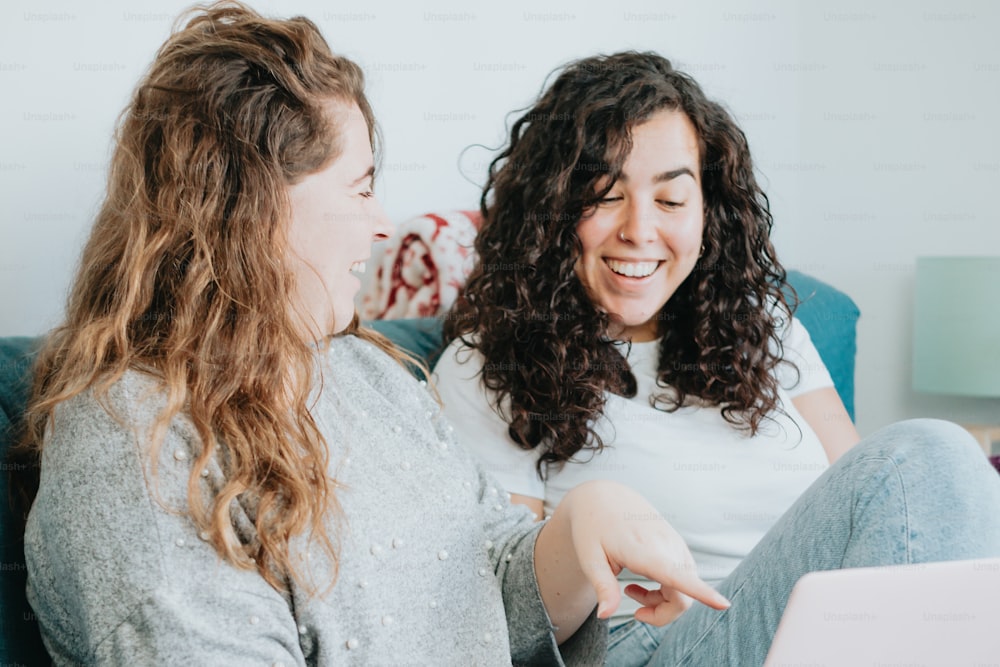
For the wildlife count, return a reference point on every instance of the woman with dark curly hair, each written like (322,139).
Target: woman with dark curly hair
(626,320)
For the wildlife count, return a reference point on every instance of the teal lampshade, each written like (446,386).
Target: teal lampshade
(956,332)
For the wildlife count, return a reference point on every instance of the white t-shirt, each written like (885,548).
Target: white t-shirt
(720,489)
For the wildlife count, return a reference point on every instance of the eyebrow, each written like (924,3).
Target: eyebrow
(367,175)
(664,176)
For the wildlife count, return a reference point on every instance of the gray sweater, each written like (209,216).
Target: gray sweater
(436,566)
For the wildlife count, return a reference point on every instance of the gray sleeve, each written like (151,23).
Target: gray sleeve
(117,572)
(532,638)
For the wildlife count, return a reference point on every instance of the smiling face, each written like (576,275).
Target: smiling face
(335,218)
(644,238)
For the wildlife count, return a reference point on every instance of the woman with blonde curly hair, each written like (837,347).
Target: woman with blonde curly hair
(642,335)
(232,470)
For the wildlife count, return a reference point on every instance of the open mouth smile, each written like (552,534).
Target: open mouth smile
(633,269)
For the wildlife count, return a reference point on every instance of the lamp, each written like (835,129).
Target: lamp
(956,343)
(956,333)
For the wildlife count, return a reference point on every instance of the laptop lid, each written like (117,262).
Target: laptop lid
(927,614)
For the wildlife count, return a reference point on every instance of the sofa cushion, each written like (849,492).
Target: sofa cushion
(20,643)
(422,268)
(831,318)
(421,337)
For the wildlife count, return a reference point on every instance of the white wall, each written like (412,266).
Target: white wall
(874,126)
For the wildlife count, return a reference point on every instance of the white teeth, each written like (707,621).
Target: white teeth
(632,269)
(358,267)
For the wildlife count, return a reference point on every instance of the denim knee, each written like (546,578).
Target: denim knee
(926,442)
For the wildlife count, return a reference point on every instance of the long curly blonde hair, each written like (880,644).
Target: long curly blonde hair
(184,275)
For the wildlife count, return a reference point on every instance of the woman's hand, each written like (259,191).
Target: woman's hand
(598,529)
(613,527)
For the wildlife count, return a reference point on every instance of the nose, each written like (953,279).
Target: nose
(382,227)
(638,222)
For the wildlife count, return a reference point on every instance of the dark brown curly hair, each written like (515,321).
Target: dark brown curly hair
(544,341)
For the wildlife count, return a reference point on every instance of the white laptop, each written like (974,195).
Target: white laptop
(930,614)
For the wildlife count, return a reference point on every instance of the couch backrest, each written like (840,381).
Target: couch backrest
(20,643)
(831,318)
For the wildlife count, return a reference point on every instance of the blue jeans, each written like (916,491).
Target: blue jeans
(918,491)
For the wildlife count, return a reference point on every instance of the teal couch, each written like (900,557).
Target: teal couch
(829,315)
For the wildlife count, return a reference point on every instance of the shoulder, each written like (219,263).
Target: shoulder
(350,355)
(788,329)
(459,361)
(362,370)
(98,454)
(100,427)
(458,377)
(794,336)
